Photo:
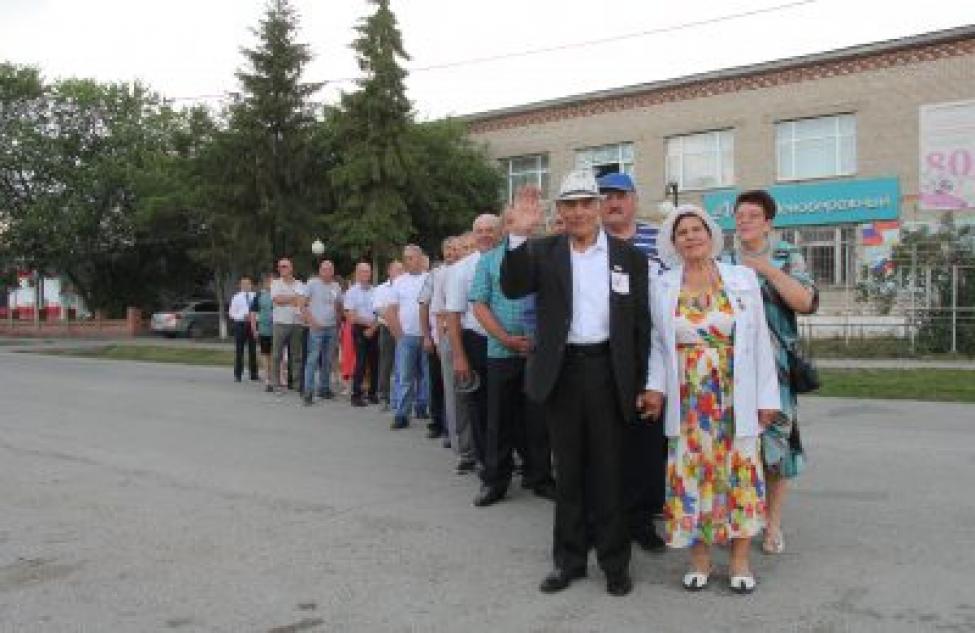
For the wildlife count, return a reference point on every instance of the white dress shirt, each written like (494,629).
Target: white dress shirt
(590,290)
(240,306)
(590,293)
(458,290)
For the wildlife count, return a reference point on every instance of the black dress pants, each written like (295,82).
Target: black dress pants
(437,407)
(366,357)
(244,336)
(587,431)
(644,463)
(513,423)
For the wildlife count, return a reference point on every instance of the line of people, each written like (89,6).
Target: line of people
(636,372)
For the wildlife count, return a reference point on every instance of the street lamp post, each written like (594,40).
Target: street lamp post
(671,190)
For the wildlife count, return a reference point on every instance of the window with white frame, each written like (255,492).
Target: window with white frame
(525,170)
(606,159)
(701,161)
(816,148)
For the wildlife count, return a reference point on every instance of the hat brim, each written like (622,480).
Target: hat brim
(579,195)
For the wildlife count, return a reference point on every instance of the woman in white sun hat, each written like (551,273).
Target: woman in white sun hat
(711,362)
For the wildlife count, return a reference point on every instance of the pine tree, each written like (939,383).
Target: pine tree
(372,219)
(274,124)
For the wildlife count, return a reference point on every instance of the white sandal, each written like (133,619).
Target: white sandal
(695,580)
(742,584)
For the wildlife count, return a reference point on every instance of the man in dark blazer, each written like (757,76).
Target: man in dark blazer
(588,367)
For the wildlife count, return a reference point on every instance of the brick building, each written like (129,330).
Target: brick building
(854,143)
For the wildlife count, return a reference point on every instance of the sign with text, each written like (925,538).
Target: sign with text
(947,178)
(824,202)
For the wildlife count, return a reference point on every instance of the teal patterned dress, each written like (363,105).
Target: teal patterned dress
(782,450)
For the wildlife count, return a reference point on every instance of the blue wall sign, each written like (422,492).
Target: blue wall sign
(830,202)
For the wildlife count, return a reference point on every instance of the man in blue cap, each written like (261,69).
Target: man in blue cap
(644,459)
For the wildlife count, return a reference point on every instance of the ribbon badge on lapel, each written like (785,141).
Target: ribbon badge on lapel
(741,304)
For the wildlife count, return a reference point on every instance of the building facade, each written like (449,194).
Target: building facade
(854,144)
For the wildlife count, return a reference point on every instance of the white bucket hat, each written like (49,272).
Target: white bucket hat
(665,244)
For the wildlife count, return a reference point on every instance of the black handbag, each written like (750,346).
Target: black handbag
(802,372)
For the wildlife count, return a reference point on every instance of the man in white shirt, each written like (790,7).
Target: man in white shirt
(288,295)
(442,401)
(469,342)
(240,306)
(365,334)
(387,344)
(588,367)
(323,316)
(403,319)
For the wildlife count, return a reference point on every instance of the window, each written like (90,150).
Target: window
(701,161)
(829,252)
(524,170)
(816,148)
(606,159)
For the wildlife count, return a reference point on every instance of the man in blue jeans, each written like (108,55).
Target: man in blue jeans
(323,312)
(403,319)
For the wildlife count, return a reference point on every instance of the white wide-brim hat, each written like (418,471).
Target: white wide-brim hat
(665,242)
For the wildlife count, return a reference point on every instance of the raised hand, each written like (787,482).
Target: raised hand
(525,212)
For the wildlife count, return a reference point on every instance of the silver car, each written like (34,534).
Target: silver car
(192,319)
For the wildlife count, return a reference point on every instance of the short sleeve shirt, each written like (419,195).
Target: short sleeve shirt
(321,301)
(287,314)
(458,299)
(511,314)
(360,301)
(405,292)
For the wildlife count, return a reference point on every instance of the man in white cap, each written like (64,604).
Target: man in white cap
(587,367)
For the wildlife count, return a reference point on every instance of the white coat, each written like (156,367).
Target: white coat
(755,375)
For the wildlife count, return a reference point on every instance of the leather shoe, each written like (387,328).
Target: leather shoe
(558,579)
(619,584)
(488,495)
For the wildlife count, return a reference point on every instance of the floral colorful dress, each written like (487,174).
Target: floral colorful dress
(715,482)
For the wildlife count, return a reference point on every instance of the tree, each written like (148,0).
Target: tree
(79,157)
(276,175)
(371,219)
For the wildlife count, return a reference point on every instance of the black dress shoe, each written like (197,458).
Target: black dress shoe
(649,541)
(358,402)
(619,584)
(489,495)
(433,432)
(559,579)
(373,400)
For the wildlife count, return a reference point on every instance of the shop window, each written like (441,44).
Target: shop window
(701,161)
(524,170)
(822,147)
(606,159)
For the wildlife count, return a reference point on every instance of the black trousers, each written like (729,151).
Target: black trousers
(645,465)
(243,336)
(587,431)
(437,407)
(475,403)
(366,357)
(514,423)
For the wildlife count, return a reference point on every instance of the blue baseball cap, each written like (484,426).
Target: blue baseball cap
(617,182)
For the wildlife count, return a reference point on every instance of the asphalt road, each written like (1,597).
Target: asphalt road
(139,497)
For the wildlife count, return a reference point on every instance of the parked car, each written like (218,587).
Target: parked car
(192,319)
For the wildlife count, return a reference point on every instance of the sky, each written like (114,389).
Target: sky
(188,50)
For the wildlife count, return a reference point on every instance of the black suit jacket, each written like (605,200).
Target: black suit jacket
(543,266)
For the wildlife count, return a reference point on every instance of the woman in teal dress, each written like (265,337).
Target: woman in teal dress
(787,290)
